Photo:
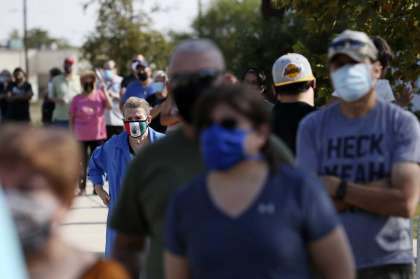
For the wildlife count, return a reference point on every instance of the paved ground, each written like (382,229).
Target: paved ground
(85,223)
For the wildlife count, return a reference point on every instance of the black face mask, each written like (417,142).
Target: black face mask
(187,88)
(142,76)
(18,79)
(88,86)
(68,69)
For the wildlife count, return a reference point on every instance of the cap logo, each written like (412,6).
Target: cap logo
(292,71)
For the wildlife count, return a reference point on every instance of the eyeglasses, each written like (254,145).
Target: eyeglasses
(348,43)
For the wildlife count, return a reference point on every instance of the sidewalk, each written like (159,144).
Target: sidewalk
(85,223)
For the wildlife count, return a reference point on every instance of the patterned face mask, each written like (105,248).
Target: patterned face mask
(136,128)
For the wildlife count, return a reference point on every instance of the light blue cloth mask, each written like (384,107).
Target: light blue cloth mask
(352,82)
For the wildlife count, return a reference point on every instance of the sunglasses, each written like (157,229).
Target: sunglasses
(204,75)
(354,44)
(227,123)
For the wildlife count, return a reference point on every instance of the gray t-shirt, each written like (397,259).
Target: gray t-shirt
(363,150)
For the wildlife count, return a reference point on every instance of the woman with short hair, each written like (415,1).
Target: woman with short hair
(248,216)
(87,119)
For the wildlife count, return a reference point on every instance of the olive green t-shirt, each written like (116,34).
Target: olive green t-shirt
(154,175)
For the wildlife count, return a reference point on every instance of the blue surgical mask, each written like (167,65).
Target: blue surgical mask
(222,148)
(108,74)
(352,82)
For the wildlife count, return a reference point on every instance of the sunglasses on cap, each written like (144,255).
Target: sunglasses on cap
(138,64)
(203,75)
(348,43)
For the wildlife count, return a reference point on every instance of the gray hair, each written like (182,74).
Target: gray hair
(135,102)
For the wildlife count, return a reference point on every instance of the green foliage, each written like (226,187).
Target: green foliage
(121,33)
(38,38)
(307,27)
(398,22)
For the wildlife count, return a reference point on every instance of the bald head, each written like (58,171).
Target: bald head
(193,55)
(109,65)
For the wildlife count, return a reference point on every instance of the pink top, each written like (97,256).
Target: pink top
(89,116)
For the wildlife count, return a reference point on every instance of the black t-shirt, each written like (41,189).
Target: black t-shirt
(127,80)
(3,103)
(286,119)
(155,124)
(18,110)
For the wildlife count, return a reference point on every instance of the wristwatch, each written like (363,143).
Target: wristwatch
(341,191)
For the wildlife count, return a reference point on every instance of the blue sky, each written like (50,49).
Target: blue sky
(66,18)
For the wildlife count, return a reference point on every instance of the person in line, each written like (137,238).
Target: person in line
(256,79)
(112,158)
(241,192)
(131,77)
(294,85)
(48,104)
(402,97)
(384,91)
(164,166)
(5,79)
(87,119)
(64,88)
(169,114)
(39,189)
(19,94)
(112,81)
(367,152)
(158,96)
(140,87)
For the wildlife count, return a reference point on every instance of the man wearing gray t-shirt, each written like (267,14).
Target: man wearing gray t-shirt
(367,152)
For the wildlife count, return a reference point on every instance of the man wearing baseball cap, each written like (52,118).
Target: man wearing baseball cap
(294,86)
(367,152)
(140,86)
(64,88)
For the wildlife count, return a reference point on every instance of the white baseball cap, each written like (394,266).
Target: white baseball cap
(291,68)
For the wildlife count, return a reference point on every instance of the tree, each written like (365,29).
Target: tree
(120,33)
(398,22)
(249,39)
(38,38)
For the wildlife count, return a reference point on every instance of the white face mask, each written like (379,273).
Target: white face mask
(352,82)
(33,215)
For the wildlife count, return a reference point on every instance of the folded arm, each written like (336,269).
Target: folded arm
(397,197)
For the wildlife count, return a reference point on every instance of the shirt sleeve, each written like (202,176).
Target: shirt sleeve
(174,238)
(97,165)
(407,139)
(281,151)
(54,93)
(28,88)
(306,155)
(129,216)
(319,215)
